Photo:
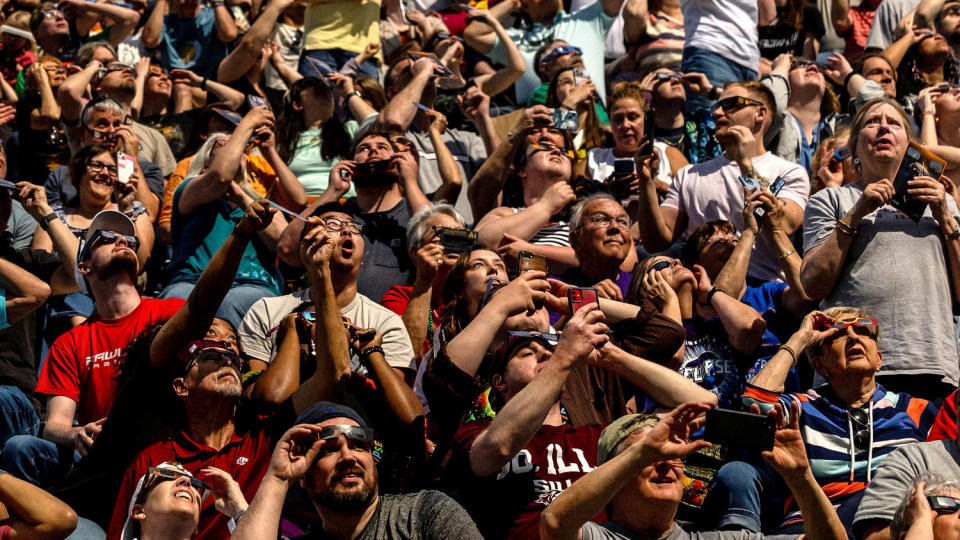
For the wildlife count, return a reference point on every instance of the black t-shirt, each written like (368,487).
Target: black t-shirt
(179,130)
(784,39)
(19,355)
(385,259)
(422,515)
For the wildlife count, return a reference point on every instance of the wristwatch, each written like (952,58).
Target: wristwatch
(354,93)
(45,220)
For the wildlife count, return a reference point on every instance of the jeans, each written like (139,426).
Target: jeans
(17,415)
(36,460)
(738,495)
(717,68)
(234,306)
(334,59)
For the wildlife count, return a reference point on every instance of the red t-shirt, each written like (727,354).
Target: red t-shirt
(397,298)
(84,363)
(508,504)
(246,457)
(945,424)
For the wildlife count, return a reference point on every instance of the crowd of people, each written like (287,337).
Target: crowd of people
(378,269)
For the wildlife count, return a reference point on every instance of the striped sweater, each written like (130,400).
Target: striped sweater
(829,432)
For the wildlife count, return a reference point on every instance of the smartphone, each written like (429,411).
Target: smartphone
(750,183)
(375,173)
(416,55)
(775,188)
(648,121)
(309,316)
(565,120)
(531,262)
(624,167)
(457,240)
(257,101)
(916,161)
(580,75)
(581,296)
(124,167)
(742,430)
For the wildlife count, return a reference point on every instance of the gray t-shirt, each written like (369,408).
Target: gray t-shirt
(609,530)
(423,515)
(467,149)
(885,20)
(900,472)
(897,270)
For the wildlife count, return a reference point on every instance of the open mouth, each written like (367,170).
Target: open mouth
(353,475)
(184,494)
(346,248)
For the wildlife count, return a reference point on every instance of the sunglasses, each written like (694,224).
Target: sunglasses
(551,339)
(924,34)
(353,433)
(801,64)
(561,51)
(53,15)
(159,72)
(942,504)
(215,355)
(108,238)
(54,68)
(547,147)
(734,103)
(862,322)
(165,474)
(862,430)
(665,75)
(662,265)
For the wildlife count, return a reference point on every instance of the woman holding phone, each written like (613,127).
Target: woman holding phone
(860,250)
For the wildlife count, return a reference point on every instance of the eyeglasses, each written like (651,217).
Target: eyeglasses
(216,355)
(164,474)
(801,64)
(662,265)
(942,504)
(547,147)
(603,221)
(108,238)
(734,103)
(863,428)
(116,66)
(53,15)
(335,225)
(561,51)
(99,166)
(551,339)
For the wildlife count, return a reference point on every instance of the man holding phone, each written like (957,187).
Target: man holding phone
(713,190)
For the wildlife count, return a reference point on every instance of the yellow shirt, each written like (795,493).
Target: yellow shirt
(342,24)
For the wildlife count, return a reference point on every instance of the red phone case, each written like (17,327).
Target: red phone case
(581,296)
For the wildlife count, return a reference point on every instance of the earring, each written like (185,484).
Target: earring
(856,162)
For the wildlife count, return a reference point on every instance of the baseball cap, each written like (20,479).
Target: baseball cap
(107,220)
(619,430)
(325,410)
(515,340)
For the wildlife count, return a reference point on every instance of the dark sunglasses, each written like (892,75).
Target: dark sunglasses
(561,51)
(165,474)
(547,147)
(108,237)
(942,504)
(662,265)
(216,355)
(665,75)
(862,430)
(734,103)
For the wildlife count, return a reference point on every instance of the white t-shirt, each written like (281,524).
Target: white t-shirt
(258,333)
(600,163)
(725,27)
(712,190)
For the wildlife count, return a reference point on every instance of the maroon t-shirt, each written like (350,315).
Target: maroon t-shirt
(508,504)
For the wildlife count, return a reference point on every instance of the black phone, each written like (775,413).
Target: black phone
(648,121)
(775,188)
(742,430)
(916,161)
(624,167)
(456,240)
(375,173)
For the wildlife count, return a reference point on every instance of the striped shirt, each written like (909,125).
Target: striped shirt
(551,234)
(897,419)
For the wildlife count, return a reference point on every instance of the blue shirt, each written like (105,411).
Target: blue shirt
(198,235)
(767,299)
(192,43)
